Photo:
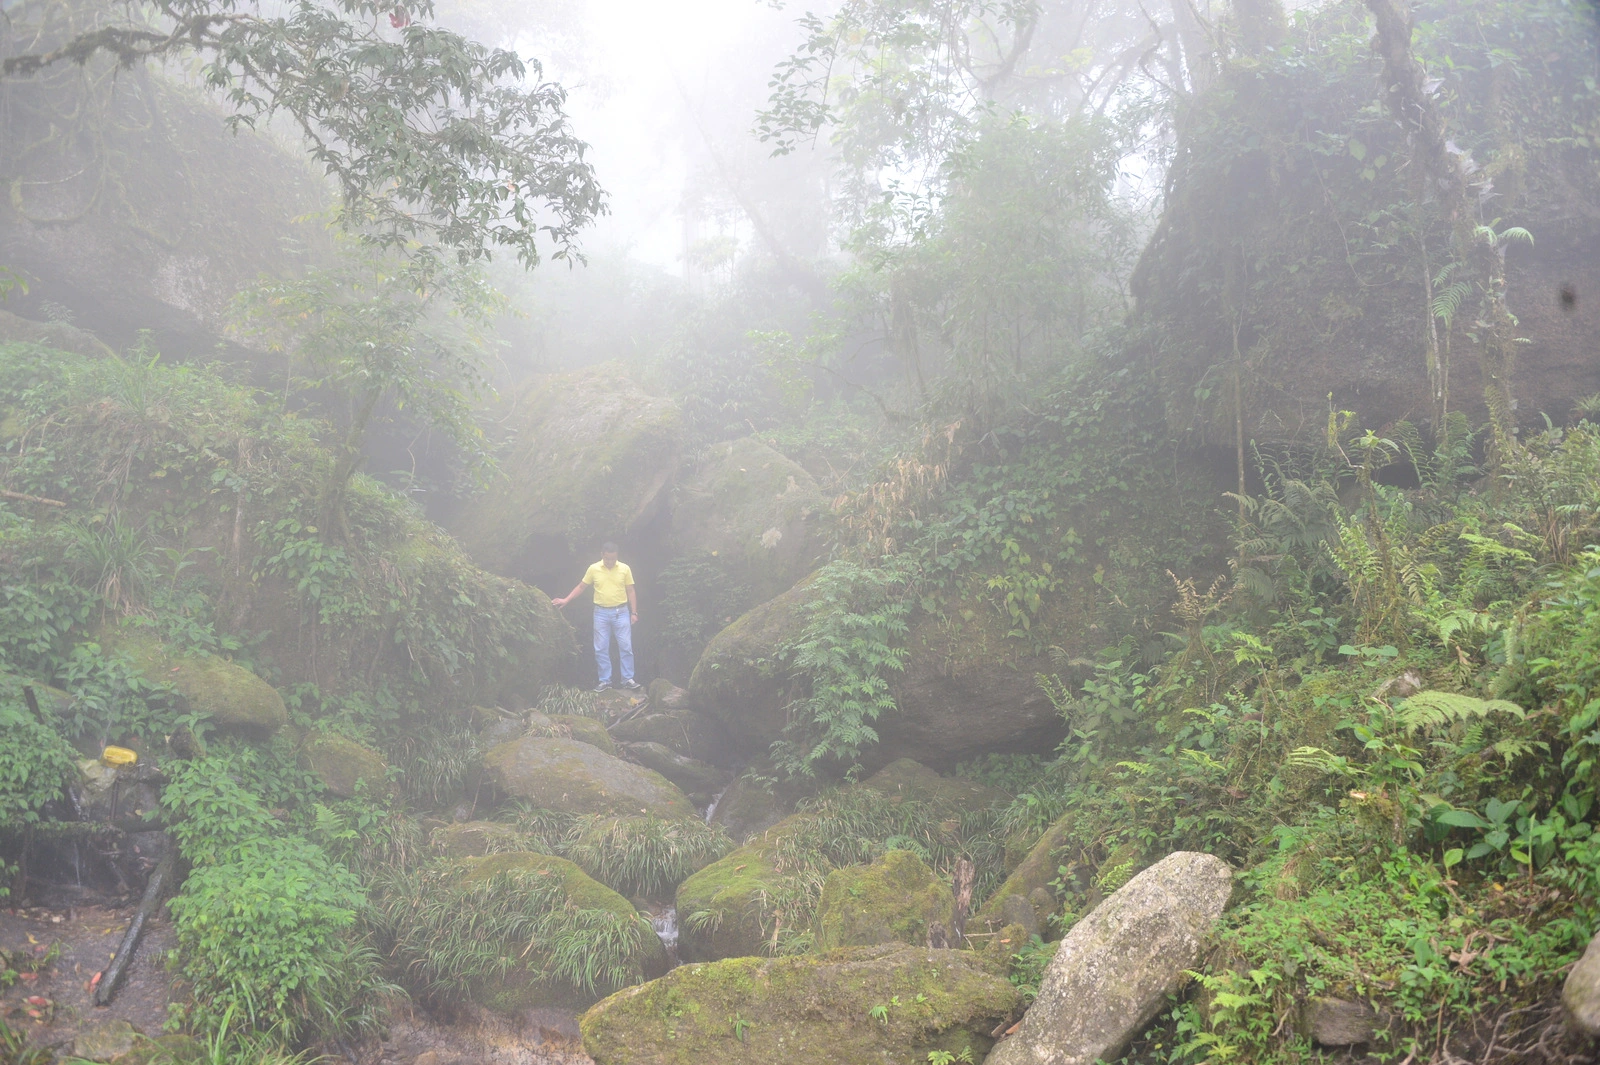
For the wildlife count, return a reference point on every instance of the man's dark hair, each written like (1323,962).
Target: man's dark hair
(609,546)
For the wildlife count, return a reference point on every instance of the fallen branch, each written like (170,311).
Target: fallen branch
(23,497)
(154,890)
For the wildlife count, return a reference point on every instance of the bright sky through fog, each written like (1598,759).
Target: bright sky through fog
(627,104)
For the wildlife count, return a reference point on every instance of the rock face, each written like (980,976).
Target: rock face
(1115,968)
(235,699)
(592,460)
(896,899)
(719,908)
(1580,996)
(752,512)
(572,777)
(521,989)
(344,766)
(907,780)
(811,1008)
(572,727)
(755,801)
(965,686)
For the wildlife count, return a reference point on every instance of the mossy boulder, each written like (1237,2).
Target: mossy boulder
(720,908)
(1028,885)
(233,698)
(474,839)
(810,1008)
(572,726)
(690,774)
(740,680)
(570,776)
(751,512)
(896,899)
(967,687)
(590,458)
(757,799)
(686,731)
(58,335)
(344,766)
(904,780)
(521,988)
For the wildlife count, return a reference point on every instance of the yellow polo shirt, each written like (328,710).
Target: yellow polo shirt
(610,585)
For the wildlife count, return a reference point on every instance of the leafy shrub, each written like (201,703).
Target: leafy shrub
(268,933)
(212,816)
(644,855)
(35,762)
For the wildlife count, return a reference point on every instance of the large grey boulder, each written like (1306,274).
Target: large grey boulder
(1581,995)
(1117,966)
(577,778)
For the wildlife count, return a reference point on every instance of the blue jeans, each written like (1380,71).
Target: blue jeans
(611,622)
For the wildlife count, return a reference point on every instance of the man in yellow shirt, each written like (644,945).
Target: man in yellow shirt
(616,611)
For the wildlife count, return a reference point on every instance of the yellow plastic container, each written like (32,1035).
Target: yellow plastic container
(117,757)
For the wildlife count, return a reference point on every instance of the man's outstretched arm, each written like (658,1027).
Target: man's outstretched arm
(577,591)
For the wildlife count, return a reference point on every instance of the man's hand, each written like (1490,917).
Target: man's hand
(633,617)
(558,602)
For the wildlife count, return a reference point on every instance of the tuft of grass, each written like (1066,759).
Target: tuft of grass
(565,699)
(644,855)
(450,939)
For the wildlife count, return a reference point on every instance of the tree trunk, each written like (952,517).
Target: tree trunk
(330,508)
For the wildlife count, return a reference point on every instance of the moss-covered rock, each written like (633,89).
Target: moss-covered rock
(1028,883)
(233,698)
(474,839)
(752,512)
(688,732)
(570,776)
(690,774)
(58,335)
(521,989)
(896,899)
(739,679)
(812,1008)
(720,908)
(344,766)
(905,780)
(757,799)
(591,459)
(574,727)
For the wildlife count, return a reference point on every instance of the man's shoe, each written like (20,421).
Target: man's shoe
(633,685)
(602,688)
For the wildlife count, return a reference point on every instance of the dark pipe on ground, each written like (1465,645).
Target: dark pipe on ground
(153,892)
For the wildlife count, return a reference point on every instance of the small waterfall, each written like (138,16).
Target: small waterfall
(717,798)
(666,925)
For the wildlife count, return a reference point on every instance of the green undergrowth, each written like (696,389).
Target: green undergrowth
(1389,724)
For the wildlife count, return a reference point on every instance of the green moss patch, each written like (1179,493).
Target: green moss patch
(896,899)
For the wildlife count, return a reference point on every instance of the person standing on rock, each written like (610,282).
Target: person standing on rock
(616,611)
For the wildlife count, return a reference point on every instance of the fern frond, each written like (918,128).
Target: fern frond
(1431,709)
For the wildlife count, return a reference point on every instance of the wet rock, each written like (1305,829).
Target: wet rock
(896,899)
(720,907)
(906,780)
(691,734)
(58,335)
(497,726)
(690,774)
(1115,969)
(810,1008)
(474,839)
(105,1041)
(1337,1022)
(344,766)
(233,698)
(592,459)
(1406,684)
(569,776)
(1580,995)
(740,682)
(752,513)
(586,730)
